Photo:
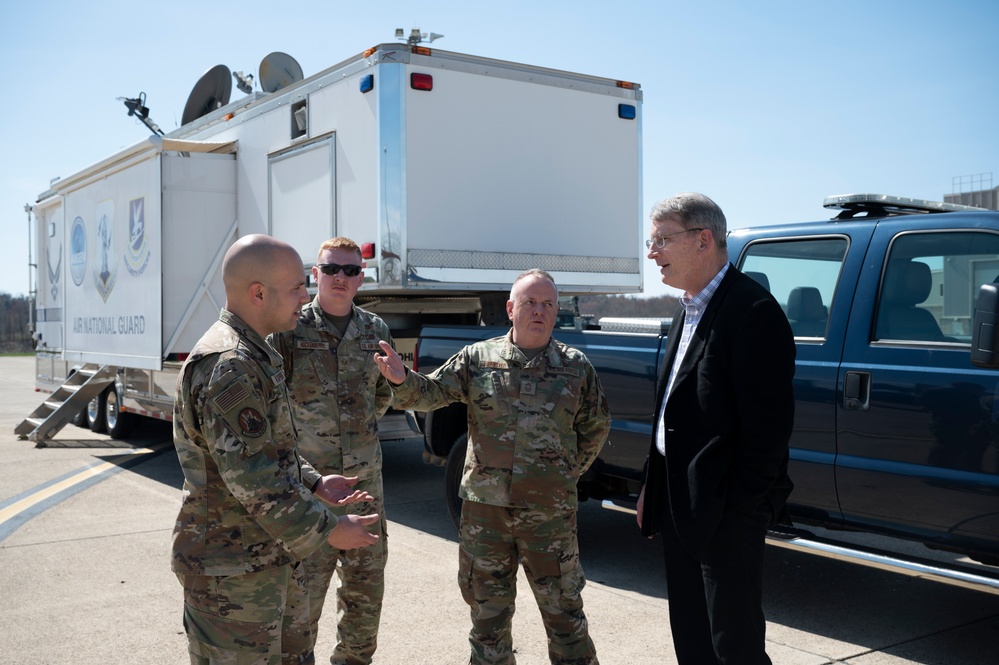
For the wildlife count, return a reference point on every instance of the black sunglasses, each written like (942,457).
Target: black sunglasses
(349,270)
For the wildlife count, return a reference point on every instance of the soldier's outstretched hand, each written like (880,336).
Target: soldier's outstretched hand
(337,490)
(390,364)
(351,532)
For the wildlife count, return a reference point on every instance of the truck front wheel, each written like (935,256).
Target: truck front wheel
(452,478)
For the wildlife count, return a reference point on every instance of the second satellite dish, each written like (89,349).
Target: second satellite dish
(210,92)
(279,70)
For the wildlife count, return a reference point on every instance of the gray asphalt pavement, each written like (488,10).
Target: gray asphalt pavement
(84,571)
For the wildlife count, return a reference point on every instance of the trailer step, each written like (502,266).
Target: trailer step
(64,403)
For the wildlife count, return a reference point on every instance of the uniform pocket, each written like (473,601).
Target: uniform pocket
(236,612)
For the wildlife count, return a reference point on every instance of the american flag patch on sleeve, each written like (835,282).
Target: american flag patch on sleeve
(231,396)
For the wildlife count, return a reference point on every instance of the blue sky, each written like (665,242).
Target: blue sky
(767,107)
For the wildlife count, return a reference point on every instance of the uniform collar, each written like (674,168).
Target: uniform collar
(315,313)
(551,352)
(250,336)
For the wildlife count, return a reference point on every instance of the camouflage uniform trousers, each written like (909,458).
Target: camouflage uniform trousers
(250,619)
(492,540)
(361,574)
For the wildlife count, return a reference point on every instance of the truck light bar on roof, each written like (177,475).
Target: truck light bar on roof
(882,205)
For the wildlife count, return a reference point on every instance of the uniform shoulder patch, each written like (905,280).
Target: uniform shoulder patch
(242,409)
(251,423)
(231,396)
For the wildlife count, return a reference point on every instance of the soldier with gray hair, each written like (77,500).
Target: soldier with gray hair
(251,507)
(537,419)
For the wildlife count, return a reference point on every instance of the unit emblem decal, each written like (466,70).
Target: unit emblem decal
(78,251)
(137,251)
(54,274)
(105,263)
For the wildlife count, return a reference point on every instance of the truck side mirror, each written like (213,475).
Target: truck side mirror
(984,340)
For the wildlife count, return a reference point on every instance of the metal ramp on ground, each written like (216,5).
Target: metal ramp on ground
(64,403)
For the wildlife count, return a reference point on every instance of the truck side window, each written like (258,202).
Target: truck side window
(802,275)
(929,285)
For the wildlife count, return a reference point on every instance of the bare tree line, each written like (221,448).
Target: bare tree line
(15,323)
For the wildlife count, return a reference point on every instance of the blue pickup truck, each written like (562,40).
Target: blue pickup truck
(893,304)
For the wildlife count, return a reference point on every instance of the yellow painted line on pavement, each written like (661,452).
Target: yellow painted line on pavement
(46,493)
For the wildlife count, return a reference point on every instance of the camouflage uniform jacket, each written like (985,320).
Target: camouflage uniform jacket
(337,392)
(246,505)
(533,426)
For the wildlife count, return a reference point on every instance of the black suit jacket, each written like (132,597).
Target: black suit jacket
(728,419)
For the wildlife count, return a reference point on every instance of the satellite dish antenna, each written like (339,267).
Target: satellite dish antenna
(279,70)
(210,92)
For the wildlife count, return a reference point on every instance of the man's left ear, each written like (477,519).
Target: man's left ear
(257,293)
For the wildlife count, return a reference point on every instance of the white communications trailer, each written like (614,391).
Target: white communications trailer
(454,173)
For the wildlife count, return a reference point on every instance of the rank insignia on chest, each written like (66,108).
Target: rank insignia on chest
(278,378)
(528,387)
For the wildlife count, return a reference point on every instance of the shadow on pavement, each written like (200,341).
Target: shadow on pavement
(806,595)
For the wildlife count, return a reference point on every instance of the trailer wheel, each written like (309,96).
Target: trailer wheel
(80,419)
(452,478)
(95,414)
(119,424)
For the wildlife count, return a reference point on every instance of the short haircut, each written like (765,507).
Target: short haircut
(534,272)
(693,211)
(339,243)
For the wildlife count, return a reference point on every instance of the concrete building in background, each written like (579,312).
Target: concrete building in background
(974,190)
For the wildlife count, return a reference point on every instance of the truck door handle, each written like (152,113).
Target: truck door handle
(857,391)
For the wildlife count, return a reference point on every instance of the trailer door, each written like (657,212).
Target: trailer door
(302,195)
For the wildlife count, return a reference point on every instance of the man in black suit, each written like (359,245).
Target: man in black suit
(716,476)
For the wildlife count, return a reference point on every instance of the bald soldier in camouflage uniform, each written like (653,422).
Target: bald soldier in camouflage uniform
(338,395)
(250,510)
(537,418)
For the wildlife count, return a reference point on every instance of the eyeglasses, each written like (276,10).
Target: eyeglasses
(661,241)
(349,270)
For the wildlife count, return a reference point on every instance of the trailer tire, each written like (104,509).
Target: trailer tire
(95,414)
(80,419)
(452,478)
(119,423)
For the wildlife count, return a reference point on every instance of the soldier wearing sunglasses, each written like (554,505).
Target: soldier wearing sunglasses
(338,395)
